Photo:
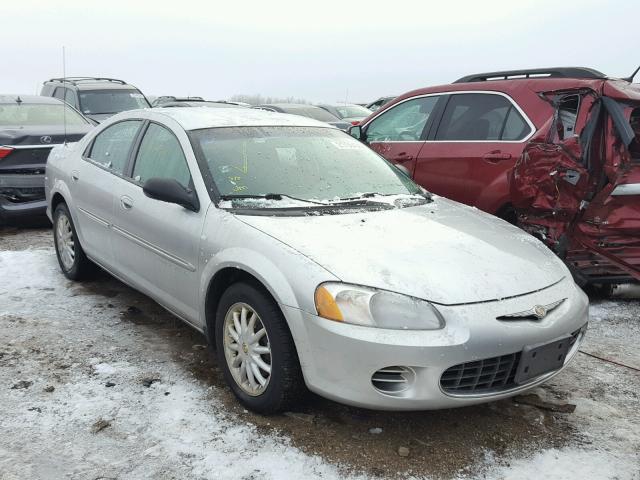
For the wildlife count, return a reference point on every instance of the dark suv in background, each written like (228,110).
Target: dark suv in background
(97,98)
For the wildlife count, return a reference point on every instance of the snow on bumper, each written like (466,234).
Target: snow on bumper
(339,360)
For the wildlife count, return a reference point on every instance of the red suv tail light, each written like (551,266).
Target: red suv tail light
(5,151)
(355,122)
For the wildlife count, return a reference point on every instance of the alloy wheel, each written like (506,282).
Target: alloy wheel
(65,241)
(247,349)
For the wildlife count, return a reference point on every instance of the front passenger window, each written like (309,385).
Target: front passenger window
(111,147)
(161,156)
(402,123)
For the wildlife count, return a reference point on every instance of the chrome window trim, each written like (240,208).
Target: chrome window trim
(626,189)
(29,147)
(531,125)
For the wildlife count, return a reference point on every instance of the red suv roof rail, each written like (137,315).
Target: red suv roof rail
(554,72)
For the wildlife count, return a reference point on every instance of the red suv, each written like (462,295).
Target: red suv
(556,151)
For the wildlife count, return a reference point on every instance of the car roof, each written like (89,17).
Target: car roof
(91,83)
(288,105)
(194,118)
(334,105)
(30,99)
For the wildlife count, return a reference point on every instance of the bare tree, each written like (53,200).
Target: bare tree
(258,99)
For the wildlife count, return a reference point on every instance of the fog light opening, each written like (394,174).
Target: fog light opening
(393,380)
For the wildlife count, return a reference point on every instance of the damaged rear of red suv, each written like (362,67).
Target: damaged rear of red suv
(555,150)
(580,193)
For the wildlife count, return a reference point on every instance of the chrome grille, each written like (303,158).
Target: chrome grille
(481,376)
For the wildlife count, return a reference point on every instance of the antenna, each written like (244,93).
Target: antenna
(64,106)
(631,77)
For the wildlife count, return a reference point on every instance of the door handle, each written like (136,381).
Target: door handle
(495,157)
(403,157)
(126,202)
(75,176)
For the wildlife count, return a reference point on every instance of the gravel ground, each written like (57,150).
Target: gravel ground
(99,382)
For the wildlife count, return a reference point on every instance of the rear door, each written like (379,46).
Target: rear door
(156,243)
(399,132)
(468,156)
(580,191)
(610,225)
(92,182)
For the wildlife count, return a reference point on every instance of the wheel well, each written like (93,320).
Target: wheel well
(217,286)
(55,201)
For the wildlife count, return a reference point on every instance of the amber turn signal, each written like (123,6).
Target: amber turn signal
(326,305)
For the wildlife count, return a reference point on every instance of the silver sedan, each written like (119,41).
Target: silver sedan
(309,262)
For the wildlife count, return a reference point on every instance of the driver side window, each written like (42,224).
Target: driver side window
(161,156)
(402,123)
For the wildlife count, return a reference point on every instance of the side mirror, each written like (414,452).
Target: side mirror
(355,131)
(169,190)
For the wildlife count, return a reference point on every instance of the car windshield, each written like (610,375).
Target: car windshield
(351,111)
(307,164)
(316,113)
(110,101)
(38,114)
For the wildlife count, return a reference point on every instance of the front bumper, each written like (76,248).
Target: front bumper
(338,360)
(22,197)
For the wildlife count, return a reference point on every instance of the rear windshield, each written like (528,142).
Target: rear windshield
(110,101)
(38,114)
(350,111)
(316,113)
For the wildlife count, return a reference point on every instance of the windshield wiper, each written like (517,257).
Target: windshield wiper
(426,195)
(270,196)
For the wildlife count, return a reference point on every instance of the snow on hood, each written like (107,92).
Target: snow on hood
(443,251)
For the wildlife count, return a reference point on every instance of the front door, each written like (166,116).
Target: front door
(156,244)
(398,133)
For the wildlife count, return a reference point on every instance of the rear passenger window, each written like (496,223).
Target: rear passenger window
(402,123)
(481,117)
(161,156)
(59,93)
(111,147)
(70,97)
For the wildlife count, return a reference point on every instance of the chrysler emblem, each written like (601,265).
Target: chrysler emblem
(45,139)
(539,311)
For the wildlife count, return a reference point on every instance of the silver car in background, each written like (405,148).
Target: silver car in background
(311,262)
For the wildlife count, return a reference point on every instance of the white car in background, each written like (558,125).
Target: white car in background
(311,262)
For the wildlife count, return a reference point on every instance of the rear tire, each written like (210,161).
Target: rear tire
(71,257)
(243,311)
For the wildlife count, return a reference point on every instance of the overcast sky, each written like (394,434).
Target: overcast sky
(322,50)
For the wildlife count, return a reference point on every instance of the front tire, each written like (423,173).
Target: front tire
(256,351)
(71,257)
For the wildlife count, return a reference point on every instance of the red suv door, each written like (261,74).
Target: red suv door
(469,155)
(398,133)
(581,193)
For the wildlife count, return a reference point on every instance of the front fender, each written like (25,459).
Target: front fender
(253,263)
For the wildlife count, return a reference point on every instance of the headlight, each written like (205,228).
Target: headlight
(375,308)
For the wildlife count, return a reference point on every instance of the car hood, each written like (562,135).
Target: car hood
(443,252)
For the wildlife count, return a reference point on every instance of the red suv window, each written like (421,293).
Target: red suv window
(481,116)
